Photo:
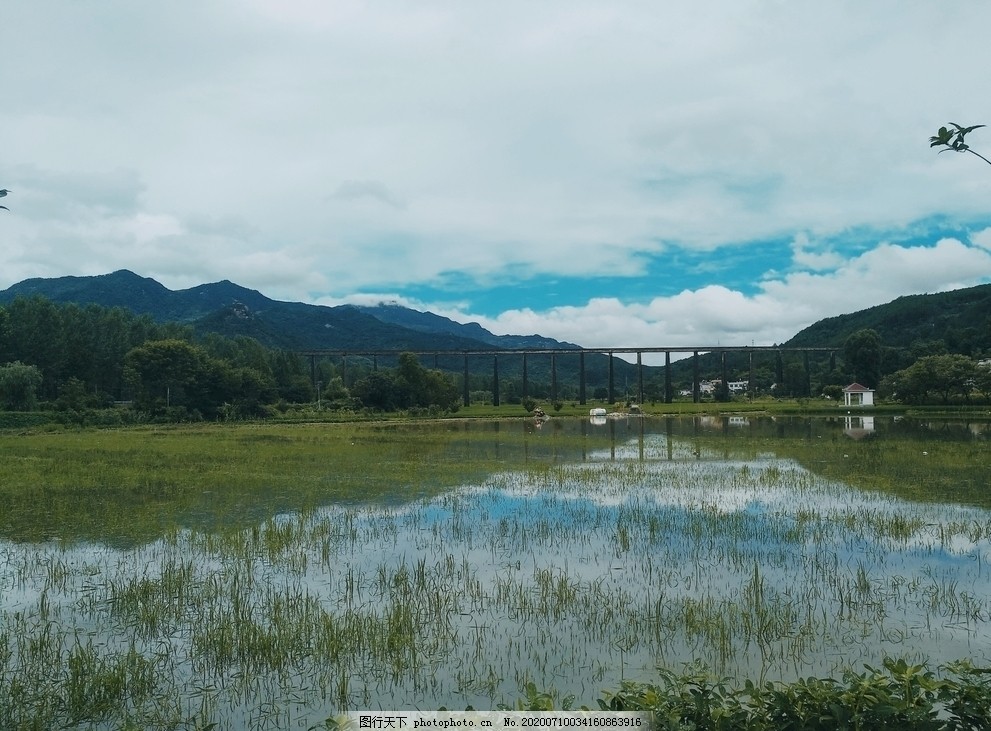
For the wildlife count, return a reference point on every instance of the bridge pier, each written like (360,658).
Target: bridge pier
(802,387)
(526,380)
(612,388)
(581,376)
(495,380)
(553,377)
(696,393)
(751,386)
(639,377)
(724,388)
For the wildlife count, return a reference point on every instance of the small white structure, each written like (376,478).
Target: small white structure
(596,412)
(857,395)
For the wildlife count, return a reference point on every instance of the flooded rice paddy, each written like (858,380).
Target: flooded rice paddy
(572,556)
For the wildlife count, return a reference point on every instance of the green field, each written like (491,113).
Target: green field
(258,576)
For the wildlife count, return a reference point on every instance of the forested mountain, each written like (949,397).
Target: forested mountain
(228,309)
(141,295)
(909,328)
(40,314)
(430,323)
(960,319)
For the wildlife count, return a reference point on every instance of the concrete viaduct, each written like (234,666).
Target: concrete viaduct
(554,354)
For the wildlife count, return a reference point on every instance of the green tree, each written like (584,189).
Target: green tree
(421,387)
(982,380)
(722,392)
(945,376)
(251,389)
(34,336)
(410,386)
(922,348)
(377,390)
(793,380)
(174,374)
(957,376)
(74,396)
(862,352)
(832,391)
(19,384)
(68,341)
(293,384)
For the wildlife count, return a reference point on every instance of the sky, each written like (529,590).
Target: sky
(605,173)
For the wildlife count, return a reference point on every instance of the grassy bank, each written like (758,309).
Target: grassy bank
(132,484)
(119,417)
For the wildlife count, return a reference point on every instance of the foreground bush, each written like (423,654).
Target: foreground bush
(901,696)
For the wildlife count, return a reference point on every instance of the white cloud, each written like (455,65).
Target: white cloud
(982,238)
(816,261)
(351,190)
(715,315)
(314,150)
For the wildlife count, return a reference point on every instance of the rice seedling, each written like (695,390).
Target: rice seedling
(312,570)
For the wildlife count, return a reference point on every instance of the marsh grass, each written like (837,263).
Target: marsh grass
(127,486)
(460,564)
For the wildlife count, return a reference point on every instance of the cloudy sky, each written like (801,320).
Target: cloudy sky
(608,173)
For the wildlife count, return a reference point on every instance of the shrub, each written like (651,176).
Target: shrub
(899,696)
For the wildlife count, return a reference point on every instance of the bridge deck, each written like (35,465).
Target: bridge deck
(553,351)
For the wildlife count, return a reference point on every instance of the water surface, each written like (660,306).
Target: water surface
(582,554)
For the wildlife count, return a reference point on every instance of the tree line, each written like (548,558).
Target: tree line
(79,358)
(933,374)
(925,372)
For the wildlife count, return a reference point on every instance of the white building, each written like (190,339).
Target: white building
(857,395)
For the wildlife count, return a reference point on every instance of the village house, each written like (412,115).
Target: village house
(708,388)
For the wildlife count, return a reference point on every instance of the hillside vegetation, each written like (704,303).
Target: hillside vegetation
(79,333)
(232,311)
(960,320)
(909,328)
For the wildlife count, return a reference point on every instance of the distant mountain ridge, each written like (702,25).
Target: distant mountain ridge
(959,318)
(429,322)
(230,309)
(142,295)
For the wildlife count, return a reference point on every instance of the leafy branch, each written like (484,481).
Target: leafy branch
(954,139)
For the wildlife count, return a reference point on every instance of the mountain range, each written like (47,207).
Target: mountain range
(229,309)
(960,320)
